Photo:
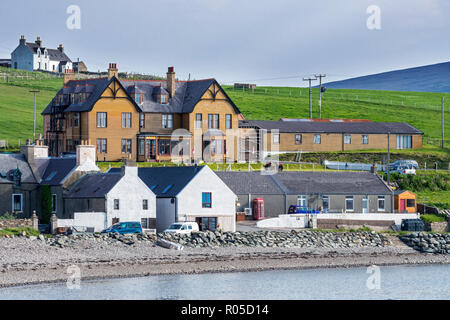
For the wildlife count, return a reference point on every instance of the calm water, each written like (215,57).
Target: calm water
(396,282)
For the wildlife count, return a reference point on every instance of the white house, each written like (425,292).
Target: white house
(192,193)
(32,56)
(121,196)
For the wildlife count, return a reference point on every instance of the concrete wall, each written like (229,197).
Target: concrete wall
(96,220)
(223,206)
(130,191)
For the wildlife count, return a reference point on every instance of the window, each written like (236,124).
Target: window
(317,139)
(163,98)
(404,142)
(381,203)
(302,201)
(325,203)
(141,147)
(276,138)
(101,145)
(141,120)
(228,122)
(410,203)
(116,204)
(126,145)
(167,188)
(209,223)
(145,204)
(54,198)
(167,121)
(349,203)
(298,139)
(164,147)
(206,200)
(76,119)
(72,95)
(101,120)
(17,204)
(213,121)
(347,139)
(126,119)
(138,98)
(365,139)
(198,120)
(69,145)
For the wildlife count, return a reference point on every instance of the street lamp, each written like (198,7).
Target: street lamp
(34,114)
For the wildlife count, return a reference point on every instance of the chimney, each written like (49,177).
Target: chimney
(32,152)
(85,153)
(38,41)
(171,81)
(22,40)
(113,71)
(129,168)
(69,75)
(61,48)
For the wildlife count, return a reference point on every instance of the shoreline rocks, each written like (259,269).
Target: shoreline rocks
(428,242)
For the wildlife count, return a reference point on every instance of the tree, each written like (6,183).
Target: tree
(46,204)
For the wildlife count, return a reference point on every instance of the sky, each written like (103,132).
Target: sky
(258,41)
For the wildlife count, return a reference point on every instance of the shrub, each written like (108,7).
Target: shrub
(433,218)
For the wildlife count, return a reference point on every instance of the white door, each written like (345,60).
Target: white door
(365,204)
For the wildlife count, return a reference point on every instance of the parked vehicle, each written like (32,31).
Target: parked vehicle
(299,209)
(124,227)
(182,227)
(406,162)
(402,169)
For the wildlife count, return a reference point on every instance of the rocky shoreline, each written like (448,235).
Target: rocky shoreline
(30,260)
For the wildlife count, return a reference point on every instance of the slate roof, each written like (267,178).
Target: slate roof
(53,54)
(332,127)
(345,183)
(159,179)
(10,162)
(187,94)
(94,185)
(56,170)
(242,182)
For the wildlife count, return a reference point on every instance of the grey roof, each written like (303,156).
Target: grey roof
(53,54)
(332,127)
(252,182)
(349,183)
(10,162)
(95,185)
(169,179)
(187,94)
(57,169)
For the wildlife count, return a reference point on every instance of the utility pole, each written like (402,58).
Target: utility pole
(34,114)
(389,169)
(320,76)
(442,123)
(310,95)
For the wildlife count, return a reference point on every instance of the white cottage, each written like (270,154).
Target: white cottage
(32,56)
(192,193)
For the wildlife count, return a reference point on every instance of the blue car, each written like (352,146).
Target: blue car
(300,209)
(124,227)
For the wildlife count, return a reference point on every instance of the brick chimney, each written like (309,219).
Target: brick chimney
(61,48)
(69,75)
(22,40)
(113,71)
(38,41)
(171,81)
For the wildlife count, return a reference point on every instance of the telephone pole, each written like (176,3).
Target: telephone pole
(310,95)
(442,123)
(320,76)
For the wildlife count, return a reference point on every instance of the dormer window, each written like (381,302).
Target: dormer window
(163,99)
(138,98)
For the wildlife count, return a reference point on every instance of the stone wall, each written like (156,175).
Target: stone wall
(354,224)
(436,226)
(15,223)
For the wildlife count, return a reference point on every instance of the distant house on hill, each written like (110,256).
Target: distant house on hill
(5,63)
(79,67)
(31,56)
(244,85)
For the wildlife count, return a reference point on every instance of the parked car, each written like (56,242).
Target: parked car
(124,227)
(405,169)
(406,162)
(182,227)
(299,209)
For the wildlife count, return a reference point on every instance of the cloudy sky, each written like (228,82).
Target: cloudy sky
(262,41)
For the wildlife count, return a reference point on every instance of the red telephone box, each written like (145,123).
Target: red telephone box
(258,209)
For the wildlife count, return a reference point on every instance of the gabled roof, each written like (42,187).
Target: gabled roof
(53,54)
(165,182)
(56,169)
(332,127)
(320,182)
(187,94)
(253,182)
(95,185)
(10,162)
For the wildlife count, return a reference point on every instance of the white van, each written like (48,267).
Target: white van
(182,227)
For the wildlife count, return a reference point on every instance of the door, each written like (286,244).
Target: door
(402,205)
(150,147)
(365,205)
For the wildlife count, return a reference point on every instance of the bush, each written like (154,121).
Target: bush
(17,231)
(433,218)
(7,216)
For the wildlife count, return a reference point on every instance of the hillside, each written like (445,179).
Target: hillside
(431,78)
